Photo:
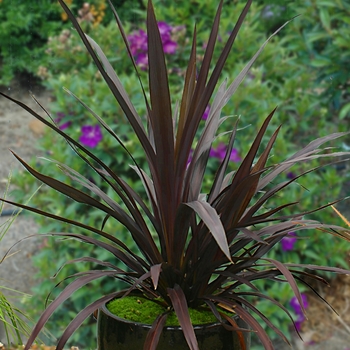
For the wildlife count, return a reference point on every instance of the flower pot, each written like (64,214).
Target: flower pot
(115,333)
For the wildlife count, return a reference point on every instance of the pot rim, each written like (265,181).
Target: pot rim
(105,310)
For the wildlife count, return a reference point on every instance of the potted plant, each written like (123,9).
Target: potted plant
(195,251)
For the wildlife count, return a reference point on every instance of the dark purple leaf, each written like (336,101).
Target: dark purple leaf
(133,119)
(179,303)
(64,295)
(155,272)
(154,333)
(82,316)
(212,220)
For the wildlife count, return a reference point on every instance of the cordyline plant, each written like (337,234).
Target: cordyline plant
(194,249)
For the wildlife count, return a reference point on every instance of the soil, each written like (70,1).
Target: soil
(19,132)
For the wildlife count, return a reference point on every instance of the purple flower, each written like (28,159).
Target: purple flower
(139,45)
(138,42)
(206,113)
(299,321)
(142,60)
(288,241)
(234,157)
(91,135)
(220,151)
(169,46)
(60,116)
(291,175)
(164,30)
(294,303)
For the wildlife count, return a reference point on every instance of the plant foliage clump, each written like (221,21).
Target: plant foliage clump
(192,248)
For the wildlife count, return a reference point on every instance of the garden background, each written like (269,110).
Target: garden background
(304,71)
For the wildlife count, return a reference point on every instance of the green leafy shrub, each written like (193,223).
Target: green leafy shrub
(318,40)
(25,27)
(328,53)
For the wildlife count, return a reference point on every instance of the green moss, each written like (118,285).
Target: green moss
(146,311)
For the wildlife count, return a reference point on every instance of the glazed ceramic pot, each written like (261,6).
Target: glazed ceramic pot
(115,333)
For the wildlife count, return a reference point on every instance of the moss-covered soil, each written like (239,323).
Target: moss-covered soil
(145,311)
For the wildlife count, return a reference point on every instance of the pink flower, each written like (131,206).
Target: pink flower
(91,135)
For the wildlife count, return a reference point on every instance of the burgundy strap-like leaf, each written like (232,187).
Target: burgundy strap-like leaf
(162,126)
(125,39)
(130,259)
(250,306)
(197,167)
(82,316)
(155,272)
(187,94)
(220,175)
(133,118)
(179,303)
(307,151)
(64,295)
(154,333)
(84,238)
(245,315)
(212,220)
(237,330)
(291,281)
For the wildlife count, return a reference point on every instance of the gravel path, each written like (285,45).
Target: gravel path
(18,132)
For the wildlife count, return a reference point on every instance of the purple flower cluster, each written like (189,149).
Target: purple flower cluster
(90,135)
(288,241)
(294,303)
(220,151)
(138,43)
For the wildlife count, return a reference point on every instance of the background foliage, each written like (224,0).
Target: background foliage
(25,27)
(303,71)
